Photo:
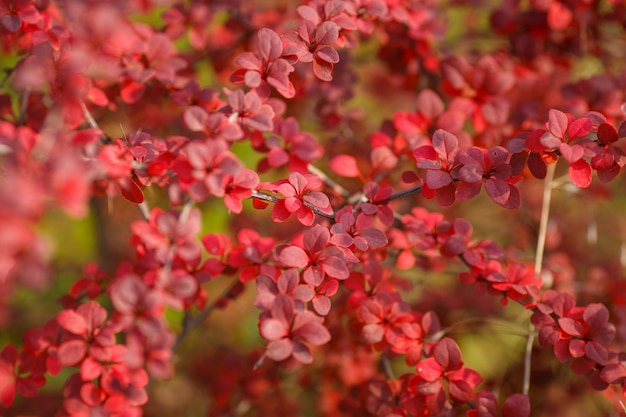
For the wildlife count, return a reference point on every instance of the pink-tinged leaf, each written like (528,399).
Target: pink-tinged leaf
(270,44)
(571,153)
(317,199)
(72,322)
(313,275)
(559,16)
(72,352)
(445,196)
(579,128)
(576,348)
(371,312)
(279,350)
(309,13)
(498,190)
(466,191)
(314,333)
(283,308)
(580,173)
(195,118)
(549,141)
(345,165)
(613,373)
(596,315)
(515,198)
(375,238)
(316,238)
(557,123)
(486,404)
(383,159)
(323,69)
(336,267)
(293,257)
(445,144)
(596,352)
(321,305)
(517,405)
(273,329)
(373,333)
(429,104)
(436,179)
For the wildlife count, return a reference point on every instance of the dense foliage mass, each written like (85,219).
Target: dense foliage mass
(305,171)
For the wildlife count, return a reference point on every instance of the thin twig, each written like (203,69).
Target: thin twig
(21,119)
(413,190)
(88,116)
(273,199)
(387,367)
(541,244)
(328,181)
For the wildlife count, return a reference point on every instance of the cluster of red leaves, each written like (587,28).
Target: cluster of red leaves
(72,64)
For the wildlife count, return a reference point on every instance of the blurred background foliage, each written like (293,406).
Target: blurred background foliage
(587,234)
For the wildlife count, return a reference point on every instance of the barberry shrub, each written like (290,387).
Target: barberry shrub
(329,208)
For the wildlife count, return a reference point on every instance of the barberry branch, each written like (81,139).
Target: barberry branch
(539,255)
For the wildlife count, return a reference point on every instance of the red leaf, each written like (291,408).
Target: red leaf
(273,329)
(557,122)
(336,267)
(448,354)
(132,192)
(429,104)
(517,405)
(571,153)
(445,144)
(559,16)
(580,173)
(279,350)
(72,352)
(437,179)
(293,257)
(314,333)
(195,117)
(571,326)
(579,128)
(498,190)
(461,391)
(71,321)
(428,369)
(596,352)
(345,165)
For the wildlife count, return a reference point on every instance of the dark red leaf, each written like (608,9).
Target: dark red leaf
(517,405)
